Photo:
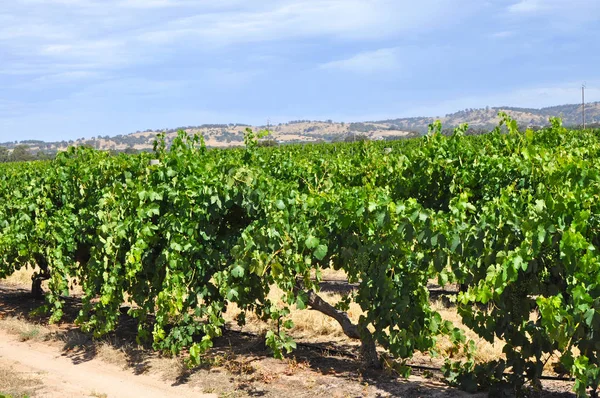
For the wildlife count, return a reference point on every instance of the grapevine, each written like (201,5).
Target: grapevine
(512,216)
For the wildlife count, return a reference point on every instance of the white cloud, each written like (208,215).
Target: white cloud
(279,20)
(61,78)
(111,4)
(581,10)
(503,35)
(107,34)
(382,60)
(11,30)
(86,49)
(152,3)
(525,6)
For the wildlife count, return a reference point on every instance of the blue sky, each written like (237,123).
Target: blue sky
(82,68)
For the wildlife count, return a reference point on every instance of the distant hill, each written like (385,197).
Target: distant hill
(487,118)
(297,131)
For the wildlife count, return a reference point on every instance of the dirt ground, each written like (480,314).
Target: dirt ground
(41,360)
(52,373)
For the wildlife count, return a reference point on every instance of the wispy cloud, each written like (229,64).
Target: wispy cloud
(525,6)
(582,10)
(62,78)
(112,34)
(382,60)
(281,20)
(140,63)
(503,35)
(112,4)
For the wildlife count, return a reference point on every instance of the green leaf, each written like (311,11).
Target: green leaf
(301,300)
(442,278)
(541,233)
(288,324)
(195,353)
(232,293)
(455,242)
(311,242)
(589,316)
(280,205)
(320,252)
(540,205)
(276,269)
(237,271)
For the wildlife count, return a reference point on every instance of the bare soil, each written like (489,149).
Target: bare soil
(58,374)
(61,361)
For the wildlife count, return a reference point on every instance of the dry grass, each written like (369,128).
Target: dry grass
(332,274)
(314,326)
(108,353)
(104,350)
(21,277)
(170,368)
(223,369)
(24,329)
(98,394)
(232,363)
(485,350)
(15,384)
(308,324)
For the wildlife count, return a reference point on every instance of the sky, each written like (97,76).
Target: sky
(81,68)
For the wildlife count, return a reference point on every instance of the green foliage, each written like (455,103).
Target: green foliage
(512,216)
(4,155)
(21,153)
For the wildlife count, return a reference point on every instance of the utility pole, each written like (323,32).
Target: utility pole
(583,104)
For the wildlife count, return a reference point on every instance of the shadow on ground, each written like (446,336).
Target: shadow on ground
(242,359)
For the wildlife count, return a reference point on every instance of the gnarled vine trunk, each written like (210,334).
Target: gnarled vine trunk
(38,277)
(368,350)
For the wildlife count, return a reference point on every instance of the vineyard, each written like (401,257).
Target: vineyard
(511,217)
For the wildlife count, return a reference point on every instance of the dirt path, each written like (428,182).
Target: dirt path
(60,377)
(41,360)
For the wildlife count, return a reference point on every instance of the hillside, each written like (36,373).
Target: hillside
(298,131)
(487,118)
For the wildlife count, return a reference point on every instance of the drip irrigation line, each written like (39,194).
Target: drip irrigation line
(355,285)
(310,346)
(344,353)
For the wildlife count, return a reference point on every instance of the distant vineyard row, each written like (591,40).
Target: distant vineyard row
(513,217)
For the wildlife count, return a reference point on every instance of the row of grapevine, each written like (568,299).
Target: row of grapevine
(511,216)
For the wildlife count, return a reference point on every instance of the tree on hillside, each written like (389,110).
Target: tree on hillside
(41,155)
(4,155)
(268,142)
(21,153)
(130,151)
(356,138)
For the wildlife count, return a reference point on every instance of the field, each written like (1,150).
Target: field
(476,256)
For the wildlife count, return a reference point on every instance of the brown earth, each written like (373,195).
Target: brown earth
(58,374)
(41,360)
